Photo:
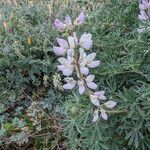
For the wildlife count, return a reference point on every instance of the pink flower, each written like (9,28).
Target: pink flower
(80,19)
(68,21)
(60,26)
(66,67)
(86,41)
(145,4)
(70,83)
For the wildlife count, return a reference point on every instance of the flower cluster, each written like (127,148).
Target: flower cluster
(144,15)
(75,64)
(68,24)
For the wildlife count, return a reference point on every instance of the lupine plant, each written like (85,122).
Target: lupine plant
(75,67)
(144,16)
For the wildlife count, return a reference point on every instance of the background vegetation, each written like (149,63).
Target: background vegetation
(34,115)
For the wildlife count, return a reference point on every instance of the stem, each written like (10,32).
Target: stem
(81,77)
(115,111)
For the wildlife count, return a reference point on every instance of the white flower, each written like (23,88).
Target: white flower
(66,67)
(70,55)
(110,104)
(94,100)
(100,95)
(59,51)
(103,114)
(84,70)
(81,87)
(73,41)
(82,60)
(89,61)
(89,82)
(62,43)
(70,83)
(86,41)
(95,97)
(95,116)
(143,16)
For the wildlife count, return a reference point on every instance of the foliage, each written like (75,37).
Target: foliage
(27,66)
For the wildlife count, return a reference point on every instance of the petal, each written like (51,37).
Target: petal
(92,85)
(143,16)
(145,2)
(95,116)
(62,60)
(86,41)
(68,21)
(61,67)
(70,55)
(68,86)
(84,70)
(81,89)
(67,72)
(81,86)
(58,51)
(100,95)
(59,25)
(94,64)
(104,115)
(87,44)
(94,100)
(69,80)
(71,42)
(90,78)
(80,19)
(142,7)
(110,104)
(82,53)
(90,57)
(62,43)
